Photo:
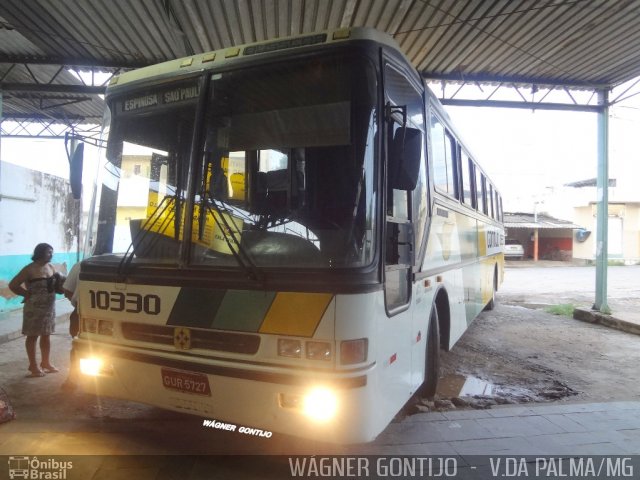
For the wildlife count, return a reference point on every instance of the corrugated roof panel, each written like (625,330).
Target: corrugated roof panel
(529,221)
(155,38)
(579,41)
(468,45)
(527,39)
(582,42)
(371,15)
(506,28)
(361,14)
(420,33)
(114,41)
(112,36)
(43,30)
(519,36)
(586,47)
(543,36)
(80,31)
(456,27)
(542,226)
(13,43)
(601,61)
(294,18)
(210,20)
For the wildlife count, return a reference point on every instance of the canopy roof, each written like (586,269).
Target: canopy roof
(591,44)
(532,221)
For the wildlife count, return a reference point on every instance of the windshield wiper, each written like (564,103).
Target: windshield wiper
(353,245)
(230,236)
(145,230)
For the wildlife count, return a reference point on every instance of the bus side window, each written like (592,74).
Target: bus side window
(490,203)
(466,178)
(443,158)
(402,92)
(483,189)
(481,204)
(453,185)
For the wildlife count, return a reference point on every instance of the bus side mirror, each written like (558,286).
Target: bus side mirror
(404,158)
(75,171)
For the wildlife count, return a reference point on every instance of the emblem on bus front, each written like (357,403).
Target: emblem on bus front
(182,338)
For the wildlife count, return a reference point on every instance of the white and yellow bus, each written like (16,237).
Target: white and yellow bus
(286,234)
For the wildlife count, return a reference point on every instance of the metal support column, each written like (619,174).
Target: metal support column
(602,184)
(73,144)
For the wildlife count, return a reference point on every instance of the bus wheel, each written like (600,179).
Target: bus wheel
(432,357)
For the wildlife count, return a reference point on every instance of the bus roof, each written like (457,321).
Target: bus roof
(209,60)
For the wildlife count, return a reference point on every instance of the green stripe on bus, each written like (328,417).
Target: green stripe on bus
(243,310)
(196,307)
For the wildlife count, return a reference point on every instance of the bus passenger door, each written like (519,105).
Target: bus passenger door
(404,139)
(404,127)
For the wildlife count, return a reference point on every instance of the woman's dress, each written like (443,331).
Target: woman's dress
(39,310)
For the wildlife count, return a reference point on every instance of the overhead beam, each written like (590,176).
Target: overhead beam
(514,95)
(30,127)
(22,117)
(53,88)
(499,79)
(79,63)
(455,102)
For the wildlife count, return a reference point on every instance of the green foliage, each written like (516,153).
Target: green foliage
(565,309)
(615,263)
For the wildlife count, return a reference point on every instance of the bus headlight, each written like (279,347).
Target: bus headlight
(90,325)
(90,366)
(313,350)
(289,348)
(95,366)
(320,404)
(105,327)
(318,350)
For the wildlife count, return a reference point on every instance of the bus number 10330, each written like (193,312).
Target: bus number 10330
(125,302)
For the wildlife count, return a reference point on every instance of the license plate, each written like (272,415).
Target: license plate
(186,382)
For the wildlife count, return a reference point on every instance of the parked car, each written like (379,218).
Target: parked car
(513,249)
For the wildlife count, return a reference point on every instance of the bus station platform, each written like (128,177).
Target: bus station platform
(623,320)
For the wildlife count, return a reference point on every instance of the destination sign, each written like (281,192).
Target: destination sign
(151,99)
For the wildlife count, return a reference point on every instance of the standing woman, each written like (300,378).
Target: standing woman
(37,283)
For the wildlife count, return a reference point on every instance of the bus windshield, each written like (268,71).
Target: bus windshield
(279,174)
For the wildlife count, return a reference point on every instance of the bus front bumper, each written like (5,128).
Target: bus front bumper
(329,406)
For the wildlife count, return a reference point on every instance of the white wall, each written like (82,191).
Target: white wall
(35,207)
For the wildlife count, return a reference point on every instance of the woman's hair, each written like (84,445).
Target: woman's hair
(40,250)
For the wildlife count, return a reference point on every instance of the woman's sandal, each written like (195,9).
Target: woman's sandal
(49,369)
(35,373)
